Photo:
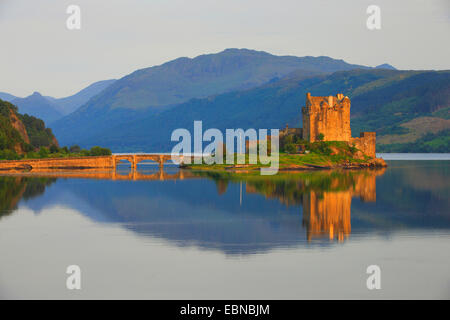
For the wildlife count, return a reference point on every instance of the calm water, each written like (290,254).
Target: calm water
(178,235)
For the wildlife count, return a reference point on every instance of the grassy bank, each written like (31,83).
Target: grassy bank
(321,155)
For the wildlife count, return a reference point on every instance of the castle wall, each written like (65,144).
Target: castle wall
(366,143)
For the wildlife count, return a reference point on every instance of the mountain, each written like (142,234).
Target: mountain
(385,66)
(21,133)
(6,96)
(38,106)
(182,79)
(393,103)
(71,103)
(51,109)
(157,88)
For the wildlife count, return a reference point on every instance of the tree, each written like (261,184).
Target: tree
(43,152)
(8,155)
(290,148)
(75,149)
(99,151)
(54,148)
(320,136)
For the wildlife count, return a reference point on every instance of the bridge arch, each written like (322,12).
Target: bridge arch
(116,159)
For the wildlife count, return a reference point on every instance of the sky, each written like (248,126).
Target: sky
(39,53)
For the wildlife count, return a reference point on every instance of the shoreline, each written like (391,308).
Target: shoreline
(286,166)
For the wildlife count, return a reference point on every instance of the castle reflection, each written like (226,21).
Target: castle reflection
(325,196)
(328,213)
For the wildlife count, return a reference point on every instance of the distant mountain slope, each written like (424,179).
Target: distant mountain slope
(385,66)
(38,106)
(71,103)
(177,81)
(182,79)
(51,109)
(382,100)
(6,96)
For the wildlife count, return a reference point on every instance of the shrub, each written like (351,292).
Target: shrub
(75,149)
(43,152)
(320,147)
(32,155)
(54,148)
(8,155)
(99,151)
(64,150)
(290,148)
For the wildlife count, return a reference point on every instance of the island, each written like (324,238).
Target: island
(324,142)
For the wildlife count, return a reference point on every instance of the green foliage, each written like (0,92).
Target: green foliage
(320,147)
(437,143)
(85,153)
(442,113)
(75,149)
(99,151)
(288,142)
(41,138)
(3,140)
(43,152)
(8,155)
(54,148)
(9,136)
(37,132)
(290,148)
(289,139)
(320,137)
(394,129)
(32,155)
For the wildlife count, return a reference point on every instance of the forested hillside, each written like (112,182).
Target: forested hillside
(21,133)
(409,110)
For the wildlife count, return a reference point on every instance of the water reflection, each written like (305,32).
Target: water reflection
(325,196)
(15,188)
(245,213)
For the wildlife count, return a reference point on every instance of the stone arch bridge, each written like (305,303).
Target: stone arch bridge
(134,159)
(99,162)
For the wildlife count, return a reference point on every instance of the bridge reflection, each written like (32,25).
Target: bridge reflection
(134,175)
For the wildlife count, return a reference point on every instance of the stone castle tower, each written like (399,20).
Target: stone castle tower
(329,116)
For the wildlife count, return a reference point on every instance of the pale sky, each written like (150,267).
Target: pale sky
(39,53)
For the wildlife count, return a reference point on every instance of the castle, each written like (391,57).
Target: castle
(328,119)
